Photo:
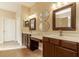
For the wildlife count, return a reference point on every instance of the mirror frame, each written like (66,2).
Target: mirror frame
(34,24)
(73,18)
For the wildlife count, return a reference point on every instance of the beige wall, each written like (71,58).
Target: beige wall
(38,8)
(25,12)
(7,14)
(41,6)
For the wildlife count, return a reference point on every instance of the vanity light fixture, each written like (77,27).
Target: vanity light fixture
(54,6)
(32,16)
(59,4)
(29,17)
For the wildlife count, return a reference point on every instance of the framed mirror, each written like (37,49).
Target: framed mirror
(32,24)
(65,18)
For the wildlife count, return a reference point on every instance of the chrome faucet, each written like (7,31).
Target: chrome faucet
(60,31)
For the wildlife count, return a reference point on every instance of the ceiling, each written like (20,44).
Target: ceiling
(28,4)
(12,6)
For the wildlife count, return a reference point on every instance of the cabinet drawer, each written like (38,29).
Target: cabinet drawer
(55,41)
(24,39)
(63,52)
(46,47)
(69,44)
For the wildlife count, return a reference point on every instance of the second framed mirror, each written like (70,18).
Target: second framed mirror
(32,24)
(64,18)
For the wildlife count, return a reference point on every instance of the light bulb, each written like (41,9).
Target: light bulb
(65,3)
(59,4)
(54,6)
(32,16)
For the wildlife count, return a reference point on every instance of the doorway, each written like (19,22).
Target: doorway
(9,29)
(8,33)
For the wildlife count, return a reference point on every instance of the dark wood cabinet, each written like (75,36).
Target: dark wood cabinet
(64,52)
(59,48)
(52,50)
(69,44)
(24,39)
(46,47)
(28,40)
(78,49)
(52,46)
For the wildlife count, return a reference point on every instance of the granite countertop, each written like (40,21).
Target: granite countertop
(38,37)
(68,38)
(33,33)
(64,37)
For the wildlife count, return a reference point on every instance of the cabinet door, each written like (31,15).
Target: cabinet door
(52,50)
(53,42)
(46,48)
(24,37)
(78,49)
(28,40)
(63,52)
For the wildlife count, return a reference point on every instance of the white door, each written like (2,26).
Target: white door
(1,29)
(9,29)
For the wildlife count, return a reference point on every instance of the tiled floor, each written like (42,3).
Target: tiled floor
(13,49)
(24,52)
(9,45)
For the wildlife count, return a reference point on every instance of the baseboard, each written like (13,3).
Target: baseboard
(19,47)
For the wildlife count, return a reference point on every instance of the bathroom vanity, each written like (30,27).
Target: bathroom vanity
(64,19)
(32,41)
(26,39)
(60,47)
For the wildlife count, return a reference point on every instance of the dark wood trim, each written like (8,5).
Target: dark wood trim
(73,18)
